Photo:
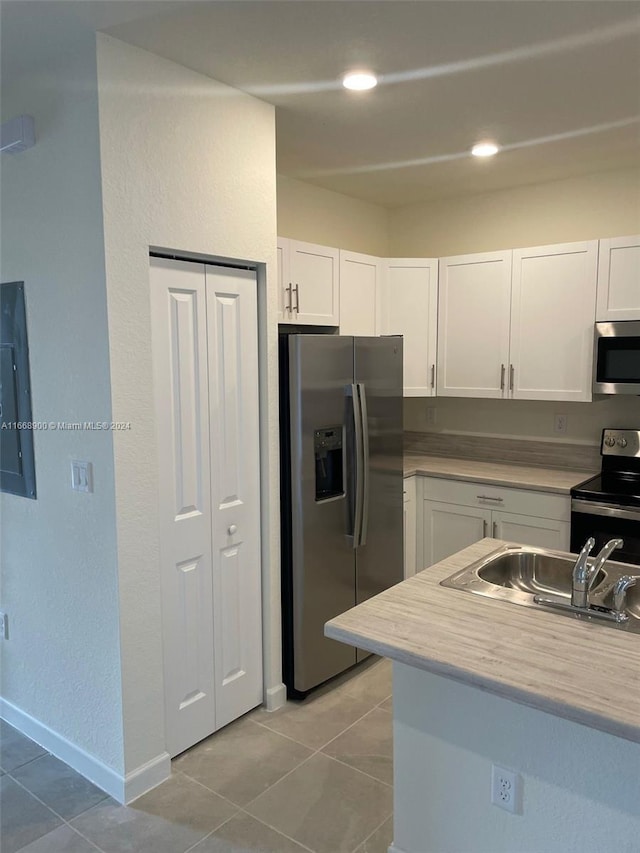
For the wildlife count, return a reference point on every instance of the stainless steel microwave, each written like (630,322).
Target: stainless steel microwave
(616,358)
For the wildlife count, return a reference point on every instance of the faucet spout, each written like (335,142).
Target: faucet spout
(583,575)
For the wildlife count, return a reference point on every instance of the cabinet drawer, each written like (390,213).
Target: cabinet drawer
(522,501)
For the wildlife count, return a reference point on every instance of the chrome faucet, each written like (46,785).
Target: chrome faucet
(584,574)
(620,596)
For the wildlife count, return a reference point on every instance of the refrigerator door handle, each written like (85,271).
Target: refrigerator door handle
(358,480)
(362,393)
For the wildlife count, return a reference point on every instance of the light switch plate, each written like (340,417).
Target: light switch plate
(81,476)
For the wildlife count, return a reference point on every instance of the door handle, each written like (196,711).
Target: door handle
(232,529)
(495,529)
(356,502)
(512,374)
(485,527)
(362,391)
(297,290)
(288,307)
(502,376)
(433,376)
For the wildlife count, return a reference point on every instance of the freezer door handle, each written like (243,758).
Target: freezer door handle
(362,393)
(355,501)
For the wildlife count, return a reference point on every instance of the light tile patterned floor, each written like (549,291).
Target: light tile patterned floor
(315,776)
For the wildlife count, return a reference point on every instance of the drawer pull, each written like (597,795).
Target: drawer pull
(489,498)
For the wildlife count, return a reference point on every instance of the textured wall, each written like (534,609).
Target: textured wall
(586,208)
(316,215)
(59,575)
(581,790)
(188,164)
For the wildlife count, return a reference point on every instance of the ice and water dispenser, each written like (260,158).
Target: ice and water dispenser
(327,447)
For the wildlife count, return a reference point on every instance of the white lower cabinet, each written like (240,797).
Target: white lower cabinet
(448,528)
(410,527)
(538,532)
(454,514)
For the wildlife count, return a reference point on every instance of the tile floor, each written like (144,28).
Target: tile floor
(314,776)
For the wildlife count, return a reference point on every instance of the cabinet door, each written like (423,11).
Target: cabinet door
(446,528)
(360,293)
(619,279)
(314,278)
(410,532)
(552,316)
(284,286)
(473,325)
(410,309)
(527,530)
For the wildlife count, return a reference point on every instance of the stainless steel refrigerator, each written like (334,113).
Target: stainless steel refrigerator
(342,491)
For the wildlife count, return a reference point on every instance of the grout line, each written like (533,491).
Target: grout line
(357,769)
(279,831)
(380,825)
(65,822)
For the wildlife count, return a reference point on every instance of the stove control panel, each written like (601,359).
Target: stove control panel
(620,442)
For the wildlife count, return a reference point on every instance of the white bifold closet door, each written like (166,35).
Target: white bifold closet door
(204,330)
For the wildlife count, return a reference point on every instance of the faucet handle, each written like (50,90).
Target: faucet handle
(581,562)
(620,591)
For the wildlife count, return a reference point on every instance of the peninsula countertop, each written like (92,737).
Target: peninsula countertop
(577,669)
(537,478)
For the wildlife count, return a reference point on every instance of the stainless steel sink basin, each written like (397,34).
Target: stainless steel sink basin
(518,574)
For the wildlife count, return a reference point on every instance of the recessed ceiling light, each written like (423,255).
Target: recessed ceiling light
(359,80)
(485,149)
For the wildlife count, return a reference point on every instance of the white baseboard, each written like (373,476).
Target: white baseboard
(146,777)
(124,789)
(275,697)
(393,849)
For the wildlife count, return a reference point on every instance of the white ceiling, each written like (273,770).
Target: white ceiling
(557,83)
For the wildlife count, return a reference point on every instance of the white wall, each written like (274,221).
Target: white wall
(316,215)
(61,665)
(522,418)
(606,204)
(581,787)
(187,164)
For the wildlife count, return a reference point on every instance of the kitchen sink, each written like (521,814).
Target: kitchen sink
(519,575)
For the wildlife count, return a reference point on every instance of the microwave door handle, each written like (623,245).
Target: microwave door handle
(355,460)
(362,393)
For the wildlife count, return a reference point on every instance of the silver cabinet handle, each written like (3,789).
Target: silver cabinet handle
(489,498)
(495,529)
(485,527)
(297,291)
(287,290)
(433,376)
(512,374)
(502,376)
(232,529)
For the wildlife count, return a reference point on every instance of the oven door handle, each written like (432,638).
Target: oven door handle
(592,508)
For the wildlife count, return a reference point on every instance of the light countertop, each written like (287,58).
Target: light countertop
(577,669)
(533,477)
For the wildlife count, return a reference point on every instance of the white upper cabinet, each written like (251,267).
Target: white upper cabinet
(473,325)
(552,315)
(308,277)
(619,279)
(360,294)
(410,308)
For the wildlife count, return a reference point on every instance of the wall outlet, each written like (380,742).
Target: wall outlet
(431,416)
(506,789)
(560,424)
(4,626)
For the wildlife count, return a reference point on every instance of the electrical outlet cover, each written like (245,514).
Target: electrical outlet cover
(506,789)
